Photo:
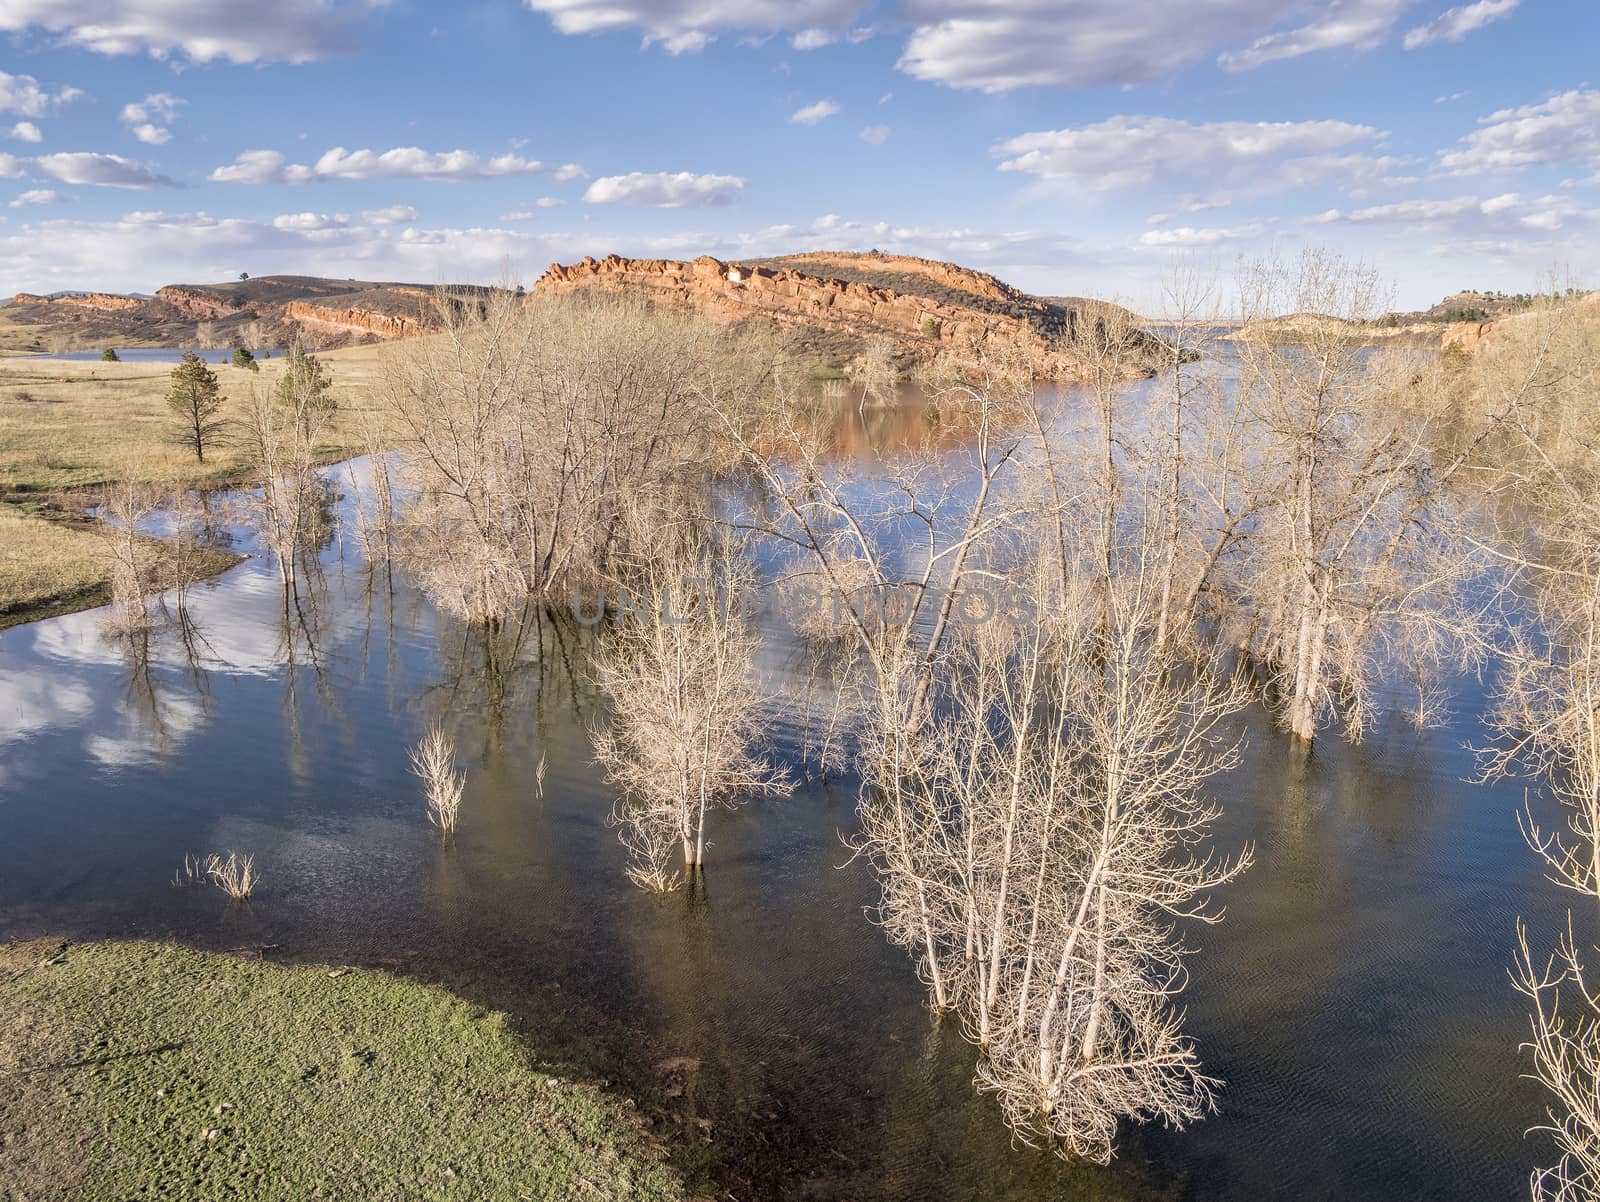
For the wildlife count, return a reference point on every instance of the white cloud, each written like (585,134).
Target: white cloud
(40,196)
(528,214)
(1127,152)
(142,117)
(1463,215)
(1454,24)
(11,166)
(1189,204)
(1565,128)
(403,162)
(1190,236)
(290,30)
(1352,24)
(393,215)
(812,113)
(874,135)
(998,45)
(158,106)
(100,170)
(309,222)
(665,190)
(687,26)
(22,95)
(570,171)
(26,131)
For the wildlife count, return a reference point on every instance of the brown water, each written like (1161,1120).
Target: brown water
(1355,1001)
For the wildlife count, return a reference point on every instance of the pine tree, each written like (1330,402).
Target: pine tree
(195,398)
(304,385)
(243,358)
(109,355)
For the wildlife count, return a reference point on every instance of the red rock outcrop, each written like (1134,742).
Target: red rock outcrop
(197,304)
(355,320)
(733,291)
(107,301)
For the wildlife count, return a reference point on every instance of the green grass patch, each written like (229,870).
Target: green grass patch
(137,1070)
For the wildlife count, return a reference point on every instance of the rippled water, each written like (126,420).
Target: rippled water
(1355,1001)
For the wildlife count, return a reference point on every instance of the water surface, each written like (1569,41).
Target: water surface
(1355,1001)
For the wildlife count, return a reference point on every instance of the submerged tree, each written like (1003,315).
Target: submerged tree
(195,399)
(1537,381)
(677,667)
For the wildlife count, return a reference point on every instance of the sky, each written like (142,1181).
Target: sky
(1067,146)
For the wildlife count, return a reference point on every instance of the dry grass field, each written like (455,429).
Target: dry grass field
(67,427)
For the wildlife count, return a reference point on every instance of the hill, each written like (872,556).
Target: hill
(265,311)
(834,302)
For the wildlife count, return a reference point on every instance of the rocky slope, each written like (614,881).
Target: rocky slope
(838,300)
(268,311)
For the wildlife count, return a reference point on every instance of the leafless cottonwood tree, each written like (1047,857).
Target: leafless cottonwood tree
(134,559)
(678,668)
(1538,379)
(525,425)
(1345,563)
(1032,785)
(281,437)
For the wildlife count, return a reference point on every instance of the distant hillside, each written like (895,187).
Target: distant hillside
(835,301)
(264,311)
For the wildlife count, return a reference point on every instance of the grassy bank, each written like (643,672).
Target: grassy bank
(135,1070)
(69,427)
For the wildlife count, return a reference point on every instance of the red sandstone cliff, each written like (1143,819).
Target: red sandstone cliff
(920,324)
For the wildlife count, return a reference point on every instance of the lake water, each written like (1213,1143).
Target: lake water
(1355,1001)
(154,354)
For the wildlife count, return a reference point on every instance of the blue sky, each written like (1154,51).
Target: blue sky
(1073,146)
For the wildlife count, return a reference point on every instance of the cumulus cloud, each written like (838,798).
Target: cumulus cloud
(812,113)
(403,162)
(26,131)
(100,170)
(23,95)
(1184,236)
(1464,215)
(1565,128)
(1454,24)
(40,196)
(665,190)
(1345,24)
(392,215)
(148,118)
(874,135)
(11,166)
(1127,152)
(687,26)
(288,30)
(995,46)
(568,172)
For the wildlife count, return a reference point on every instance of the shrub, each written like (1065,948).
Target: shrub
(109,355)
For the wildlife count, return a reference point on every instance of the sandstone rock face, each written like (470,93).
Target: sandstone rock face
(793,297)
(196,304)
(1468,336)
(104,301)
(324,319)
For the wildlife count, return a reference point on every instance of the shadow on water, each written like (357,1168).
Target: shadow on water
(1355,1001)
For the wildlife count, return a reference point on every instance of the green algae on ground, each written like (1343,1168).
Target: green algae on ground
(137,1070)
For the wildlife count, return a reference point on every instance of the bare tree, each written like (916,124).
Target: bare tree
(433,760)
(134,558)
(677,667)
(525,425)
